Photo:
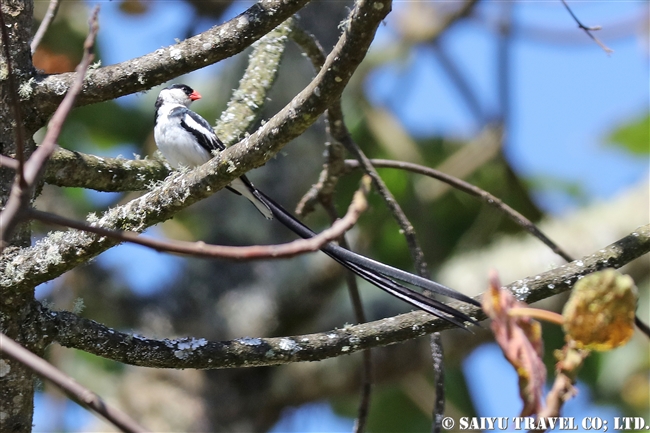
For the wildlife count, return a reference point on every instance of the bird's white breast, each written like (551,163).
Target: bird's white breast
(177,145)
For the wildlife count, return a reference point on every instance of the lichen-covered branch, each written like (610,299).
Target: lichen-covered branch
(68,168)
(145,72)
(245,105)
(333,169)
(73,331)
(60,252)
(75,169)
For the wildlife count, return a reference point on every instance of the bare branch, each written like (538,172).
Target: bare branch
(6,161)
(72,388)
(72,331)
(145,72)
(29,266)
(28,175)
(588,30)
(52,9)
(475,191)
(201,249)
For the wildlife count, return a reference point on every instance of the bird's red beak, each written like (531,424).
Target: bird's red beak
(195,95)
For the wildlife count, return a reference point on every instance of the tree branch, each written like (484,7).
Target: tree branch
(475,191)
(588,30)
(201,249)
(72,388)
(145,72)
(28,174)
(57,253)
(69,168)
(246,103)
(52,9)
(72,331)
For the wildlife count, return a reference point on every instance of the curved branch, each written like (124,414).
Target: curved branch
(76,169)
(201,249)
(72,331)
(60,252)
(145,72)
(470,189)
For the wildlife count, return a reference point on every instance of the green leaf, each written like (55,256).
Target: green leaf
(634,136)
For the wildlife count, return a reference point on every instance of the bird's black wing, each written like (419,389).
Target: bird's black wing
(199,128)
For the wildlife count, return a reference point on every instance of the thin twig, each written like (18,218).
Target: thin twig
(72,331)
(536,313)
(323,191)
(475,191)
(341,133)
(9,162)
(588,30)
(20,195)
(72,388)
(460,81)
(201,249)
(52,9)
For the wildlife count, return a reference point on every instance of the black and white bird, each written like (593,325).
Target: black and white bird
(187,139)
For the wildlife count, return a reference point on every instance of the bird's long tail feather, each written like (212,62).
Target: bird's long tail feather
(379,274)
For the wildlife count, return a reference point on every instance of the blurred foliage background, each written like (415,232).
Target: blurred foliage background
(130,288)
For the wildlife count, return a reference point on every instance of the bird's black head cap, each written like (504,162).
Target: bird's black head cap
(184,87)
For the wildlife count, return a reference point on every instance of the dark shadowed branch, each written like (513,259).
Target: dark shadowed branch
(72,331)
(475,191)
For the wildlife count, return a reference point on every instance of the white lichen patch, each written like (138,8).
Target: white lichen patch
(242,22)
(78,306)
(186,346)
(175,54)
(59,88)
(289,345)
(25,89)
(5,368)
(249,341)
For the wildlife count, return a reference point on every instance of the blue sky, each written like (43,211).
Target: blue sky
(566,99)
